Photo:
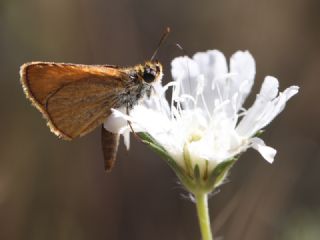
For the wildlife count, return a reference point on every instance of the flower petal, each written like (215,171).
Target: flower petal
(212,64)
(126,139)
(268,153)
(265,108)
(214,70)
(269,88)
(185,71)
(115,122)
(242,73)
(202,77)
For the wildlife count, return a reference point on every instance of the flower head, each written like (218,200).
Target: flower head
(205,124)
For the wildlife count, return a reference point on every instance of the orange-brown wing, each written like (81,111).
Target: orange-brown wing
(73,98)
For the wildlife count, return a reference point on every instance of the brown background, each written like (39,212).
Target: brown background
(52,189)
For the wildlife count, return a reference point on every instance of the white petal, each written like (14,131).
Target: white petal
(201,84)
(149,120)
(265,108)
(276,106)
(242,70)
(185,71)
(114,123)
(126,139)
(268,153)
(285,96)
(212,64)
(213,67)
(269,88)
(117,122)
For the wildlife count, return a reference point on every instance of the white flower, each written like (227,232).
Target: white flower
(205,122)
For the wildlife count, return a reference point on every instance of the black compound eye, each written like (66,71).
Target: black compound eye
(149,75)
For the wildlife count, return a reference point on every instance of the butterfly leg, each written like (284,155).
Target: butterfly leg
(129,123)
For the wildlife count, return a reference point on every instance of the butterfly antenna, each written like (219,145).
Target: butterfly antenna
(162,39)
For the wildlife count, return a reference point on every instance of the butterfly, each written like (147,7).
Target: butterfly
(75,99)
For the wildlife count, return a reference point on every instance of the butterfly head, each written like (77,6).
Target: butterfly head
(151,72)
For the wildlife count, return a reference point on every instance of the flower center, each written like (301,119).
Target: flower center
(196,135)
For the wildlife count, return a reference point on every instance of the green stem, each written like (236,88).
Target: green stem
(203,215)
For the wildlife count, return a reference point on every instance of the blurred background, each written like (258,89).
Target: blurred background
(52,189)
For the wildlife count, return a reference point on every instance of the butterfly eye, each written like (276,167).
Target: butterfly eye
(149,75)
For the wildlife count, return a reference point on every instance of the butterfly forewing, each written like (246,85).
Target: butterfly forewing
(73,98)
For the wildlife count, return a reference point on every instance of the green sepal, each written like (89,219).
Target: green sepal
(219,173)
(259,133)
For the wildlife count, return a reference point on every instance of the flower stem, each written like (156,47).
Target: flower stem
(203,215)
